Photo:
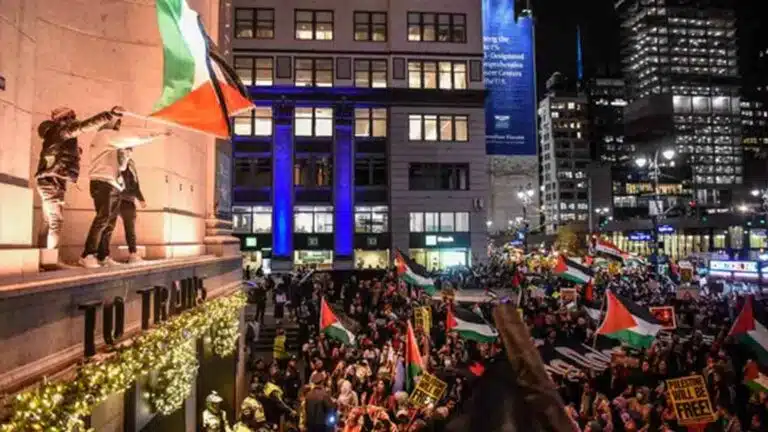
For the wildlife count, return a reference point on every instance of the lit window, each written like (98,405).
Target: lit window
(371,73)
(254,23)
(417,222)
(317,122)
(308,219)
(434,127)
(256,123)
(371,26)
(424,74)
(432,27)
(254,70)
(314,72)
(371,122)
(372,219)
(313,25)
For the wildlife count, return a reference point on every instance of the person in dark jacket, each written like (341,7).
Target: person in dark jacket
(128,198)
(59,163)
(318,406)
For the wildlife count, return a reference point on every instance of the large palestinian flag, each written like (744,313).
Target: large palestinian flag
(573,271)
(414,364)
(413,273)
(628,322)
(332,327)
(750,328)
(608,248)
(470,325)
(197,93)
(754,379)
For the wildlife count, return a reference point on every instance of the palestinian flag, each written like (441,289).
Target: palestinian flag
(332,327)
(200,92)
(470,325)
(628,322)
(608,248)
(413,273)
(754,379)
(750,329)
(413,362)
(573,271)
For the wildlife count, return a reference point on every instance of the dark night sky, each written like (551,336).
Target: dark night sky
(556,22)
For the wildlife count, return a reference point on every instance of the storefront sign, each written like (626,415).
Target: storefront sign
(432,240)
(251,242)
(640,236)
(733,266)
(665,314)
(691,400)
(665,229)
(429,390)
(371,241)
(313,241)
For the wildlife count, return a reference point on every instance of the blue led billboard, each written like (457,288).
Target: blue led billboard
(510,77)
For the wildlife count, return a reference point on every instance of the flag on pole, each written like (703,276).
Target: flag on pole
(470,325)
(751,329)
(197,93)
(573,271)
(413,273)
(628,322)
(414,363)
(332,327)
(608,248)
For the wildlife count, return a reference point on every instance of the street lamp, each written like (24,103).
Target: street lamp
(526,196)
(642,161)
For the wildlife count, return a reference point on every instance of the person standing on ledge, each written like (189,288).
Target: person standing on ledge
(60,162)
(108,163)
(128,198)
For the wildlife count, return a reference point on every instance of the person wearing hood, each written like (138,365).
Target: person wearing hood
(60,163)
(108,161)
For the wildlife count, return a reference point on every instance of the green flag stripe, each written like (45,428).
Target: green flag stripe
(178,64)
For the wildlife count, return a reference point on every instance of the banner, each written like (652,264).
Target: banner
(510,71)
(665,314)
(691,400)
(429,390)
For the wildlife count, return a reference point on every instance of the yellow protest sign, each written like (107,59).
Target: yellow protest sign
(418,318)
(691,400)
(422,317)
(430,389)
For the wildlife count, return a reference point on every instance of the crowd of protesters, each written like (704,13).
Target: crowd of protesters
(324,385)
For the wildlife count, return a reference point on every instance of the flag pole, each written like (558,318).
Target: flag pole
(603,309)
(136,116)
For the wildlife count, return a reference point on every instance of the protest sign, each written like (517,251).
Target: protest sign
(567,295)
(429,389)
(665,314)
(691,400)
(422,317)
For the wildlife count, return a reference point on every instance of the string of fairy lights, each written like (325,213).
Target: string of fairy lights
(167,352)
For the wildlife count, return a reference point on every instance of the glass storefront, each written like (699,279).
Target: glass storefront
(255,260)
(320,259)
(371,259)
(438,259)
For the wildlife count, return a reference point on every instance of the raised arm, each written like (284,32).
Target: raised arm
(90,124)
(137,140)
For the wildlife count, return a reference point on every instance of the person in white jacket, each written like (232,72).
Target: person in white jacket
(108,161)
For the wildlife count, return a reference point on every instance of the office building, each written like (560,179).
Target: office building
(368,134)
(681,69)
(565,155)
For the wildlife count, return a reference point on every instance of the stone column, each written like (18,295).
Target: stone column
(282,187)
(344,187)
(17,91)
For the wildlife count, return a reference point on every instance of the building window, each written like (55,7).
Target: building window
(445,75)
(313,219)
(257,71)
(439,222)
(371,171)
(254,23)
(314,25)
(313,122)
(313,171)
(438,127)
(314,72)
(371,26)
(254,123)
(438,176)
(371,73)
(370,122)
(252,219)
(434,27)
(253,172)
(372,219)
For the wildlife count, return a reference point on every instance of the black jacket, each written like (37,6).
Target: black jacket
(60,155)
(318,406)
(131,182)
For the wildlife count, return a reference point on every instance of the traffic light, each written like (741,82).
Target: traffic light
(692,209)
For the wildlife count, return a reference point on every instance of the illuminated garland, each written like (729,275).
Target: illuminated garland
(170,347)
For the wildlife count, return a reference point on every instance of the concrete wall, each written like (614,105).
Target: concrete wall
(91,55)
(402,153)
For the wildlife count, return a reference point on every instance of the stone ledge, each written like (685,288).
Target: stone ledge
(62,279)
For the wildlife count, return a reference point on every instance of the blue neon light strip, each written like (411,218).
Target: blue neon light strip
(282,187)
(343,192)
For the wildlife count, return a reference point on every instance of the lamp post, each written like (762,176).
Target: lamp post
(642,162)
(526,196)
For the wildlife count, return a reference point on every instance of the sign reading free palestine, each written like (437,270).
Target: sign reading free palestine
(510,77)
